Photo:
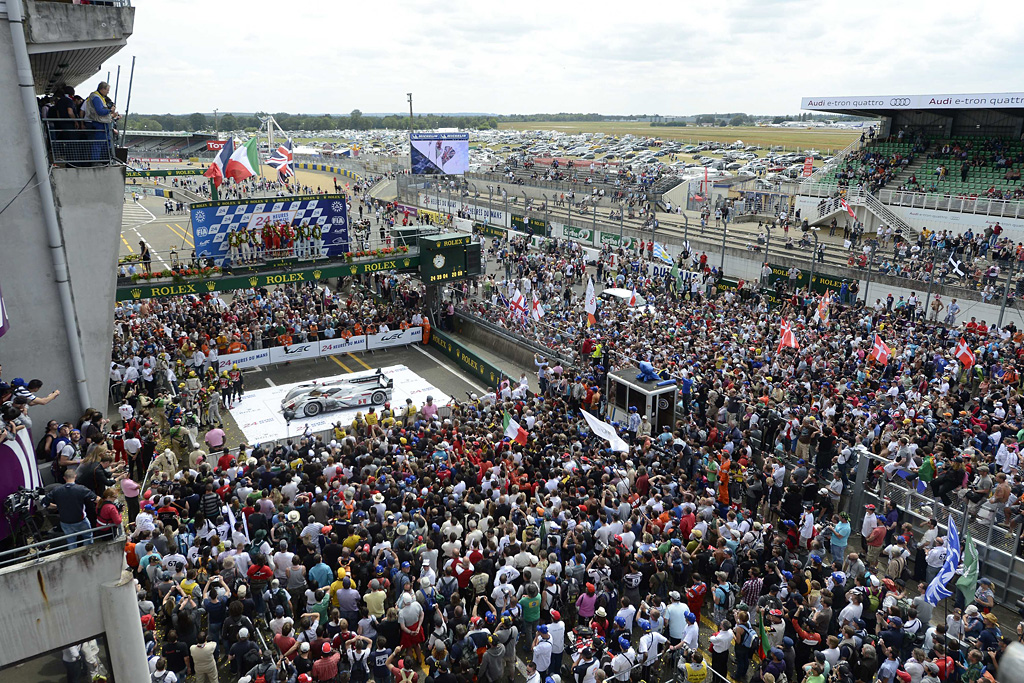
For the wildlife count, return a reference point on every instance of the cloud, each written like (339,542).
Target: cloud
(758,56)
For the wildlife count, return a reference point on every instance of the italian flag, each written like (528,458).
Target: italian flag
(513,431)
(762,635)
(244,161)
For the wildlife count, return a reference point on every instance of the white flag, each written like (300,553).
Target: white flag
(606,432)
(536,310)
(590,302)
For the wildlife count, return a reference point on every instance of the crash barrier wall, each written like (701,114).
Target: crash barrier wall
(505,343)
(467,361)
(320,349)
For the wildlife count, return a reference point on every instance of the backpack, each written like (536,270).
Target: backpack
(749,637)
(873,601)
(555,597)
(726,596)
(251,658)
(280,599)
(429,601)
(447,586)
(56,469)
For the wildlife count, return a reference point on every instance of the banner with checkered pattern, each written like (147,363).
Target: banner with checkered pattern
(213,221)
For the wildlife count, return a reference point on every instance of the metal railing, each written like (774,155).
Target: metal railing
(90,144)
(961,203)
(48,547)
(832,163)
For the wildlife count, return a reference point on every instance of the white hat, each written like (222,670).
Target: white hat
(243,633)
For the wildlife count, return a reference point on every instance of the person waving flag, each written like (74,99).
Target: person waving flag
(964,354)
(788,337)
(880,353)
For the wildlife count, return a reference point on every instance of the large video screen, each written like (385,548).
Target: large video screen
(212,221)
(439,153)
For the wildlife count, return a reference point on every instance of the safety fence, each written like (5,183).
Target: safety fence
(320,349)
(90,145)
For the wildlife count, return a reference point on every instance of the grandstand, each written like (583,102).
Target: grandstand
(166,144)
(940,161)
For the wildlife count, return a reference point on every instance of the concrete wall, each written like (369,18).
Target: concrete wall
(55,22)
(89,208)
(70,597)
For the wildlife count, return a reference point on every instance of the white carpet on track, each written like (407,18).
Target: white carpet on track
(259,415)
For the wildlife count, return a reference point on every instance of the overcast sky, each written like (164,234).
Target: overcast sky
(529,56)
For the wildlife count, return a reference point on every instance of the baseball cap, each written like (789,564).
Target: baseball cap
(304,647)
(243,633)
(327,648)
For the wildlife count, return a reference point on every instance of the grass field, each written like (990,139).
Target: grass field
(825,140)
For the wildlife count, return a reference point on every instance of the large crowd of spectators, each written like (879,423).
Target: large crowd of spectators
(449,545)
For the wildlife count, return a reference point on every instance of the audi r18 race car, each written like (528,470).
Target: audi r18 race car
(312,398)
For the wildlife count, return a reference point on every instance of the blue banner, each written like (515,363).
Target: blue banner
(213,221)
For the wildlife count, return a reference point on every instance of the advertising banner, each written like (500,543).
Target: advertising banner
(439,153)
(808,166)
(616,241)
(412,335)
(215,145)
(18,469)
(582,235)
(330,347)
(1002,100)
(285,354)
(212,222)
(245,359)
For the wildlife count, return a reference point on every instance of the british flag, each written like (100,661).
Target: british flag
(281,159)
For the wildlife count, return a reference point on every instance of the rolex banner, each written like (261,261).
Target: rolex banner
(270,225)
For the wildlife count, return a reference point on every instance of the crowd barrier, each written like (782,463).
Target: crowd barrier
(320,349)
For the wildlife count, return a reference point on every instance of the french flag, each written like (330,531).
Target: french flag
(216,169)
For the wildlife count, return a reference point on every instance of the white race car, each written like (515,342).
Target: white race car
(312,398)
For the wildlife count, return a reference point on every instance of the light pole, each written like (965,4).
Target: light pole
(867,283)
(1006,290)
(476,194)
(814,255)
(216,121)
(490,195)
(547,228)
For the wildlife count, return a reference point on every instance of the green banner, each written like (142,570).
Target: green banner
(227,283)
(581,235)
(773,299)
(491,230)
(821,284)
(468,361)
(614,240)
(164,173)
(534,226)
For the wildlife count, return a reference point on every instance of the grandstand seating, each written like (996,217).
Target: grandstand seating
(979,180)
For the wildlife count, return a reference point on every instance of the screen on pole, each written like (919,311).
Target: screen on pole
(439,153)
(212,222)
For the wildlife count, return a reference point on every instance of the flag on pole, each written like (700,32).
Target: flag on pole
(937,591)
(964,354)
(536,310)
(216,168)
(590,302)
(822,313)
(880,353)
(846,205)
(762,636)
(513,431)
(661,254)
(518,304)
(244,161)
(605,431)
(5,323)
(281,159)
(968,583)
(632,297)
(788,338)
(957,266)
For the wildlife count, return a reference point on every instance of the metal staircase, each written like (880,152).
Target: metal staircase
(868,200)
(832,163)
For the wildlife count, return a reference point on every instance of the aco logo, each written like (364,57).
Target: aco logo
(296,348)
(899,102)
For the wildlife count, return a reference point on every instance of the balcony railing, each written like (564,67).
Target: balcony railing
(75,142)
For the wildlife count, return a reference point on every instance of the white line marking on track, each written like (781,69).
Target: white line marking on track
(452,371)
(270,381)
